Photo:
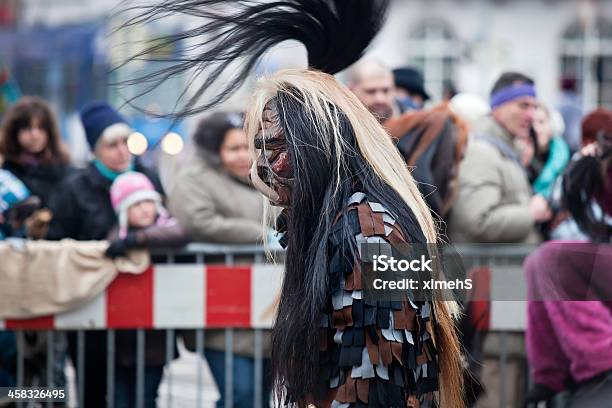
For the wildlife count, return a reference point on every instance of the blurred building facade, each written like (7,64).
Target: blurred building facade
(470,42)
(67,52)
(61,49)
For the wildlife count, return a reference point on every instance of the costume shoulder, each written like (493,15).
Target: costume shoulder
(398,126)
(373,353)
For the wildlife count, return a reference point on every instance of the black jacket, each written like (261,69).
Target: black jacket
(42,181)
(82,210)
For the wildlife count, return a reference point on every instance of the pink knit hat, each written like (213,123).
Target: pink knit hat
(128,189)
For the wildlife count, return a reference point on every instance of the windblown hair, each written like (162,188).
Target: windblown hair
(336,147)
(335,33)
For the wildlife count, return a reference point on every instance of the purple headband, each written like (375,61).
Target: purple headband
(511,92)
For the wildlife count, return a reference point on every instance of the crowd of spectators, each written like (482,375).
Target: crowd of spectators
(497,172)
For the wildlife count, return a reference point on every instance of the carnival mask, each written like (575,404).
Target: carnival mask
(272,171)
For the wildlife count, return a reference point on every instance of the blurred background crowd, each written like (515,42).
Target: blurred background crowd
(502,107)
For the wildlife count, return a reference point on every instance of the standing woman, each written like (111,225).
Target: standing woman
(321,156)
(32,150)
(31,147)
(213,198)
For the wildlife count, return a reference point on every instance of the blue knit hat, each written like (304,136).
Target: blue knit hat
(96,118)
(12,190)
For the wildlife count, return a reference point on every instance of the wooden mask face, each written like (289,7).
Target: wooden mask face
(272,171)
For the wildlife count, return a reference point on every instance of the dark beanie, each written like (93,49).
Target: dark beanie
(411,80)
(96,118)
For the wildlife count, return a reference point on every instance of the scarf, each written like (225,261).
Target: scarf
(108,173)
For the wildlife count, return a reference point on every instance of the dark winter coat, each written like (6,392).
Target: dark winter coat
(42,180)
(82,210)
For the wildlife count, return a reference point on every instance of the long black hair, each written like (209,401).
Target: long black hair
(335,33)
(320,192)
(585,179)
(336,148)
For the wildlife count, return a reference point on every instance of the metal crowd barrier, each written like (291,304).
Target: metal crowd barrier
(505,256)
(228,254)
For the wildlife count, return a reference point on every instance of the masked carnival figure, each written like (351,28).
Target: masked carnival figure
(321,156)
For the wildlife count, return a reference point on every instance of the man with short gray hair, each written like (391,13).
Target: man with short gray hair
(372,83)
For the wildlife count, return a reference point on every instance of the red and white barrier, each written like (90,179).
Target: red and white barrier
(205,296)
(176,296)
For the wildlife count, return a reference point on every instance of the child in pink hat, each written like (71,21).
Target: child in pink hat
(142,219)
